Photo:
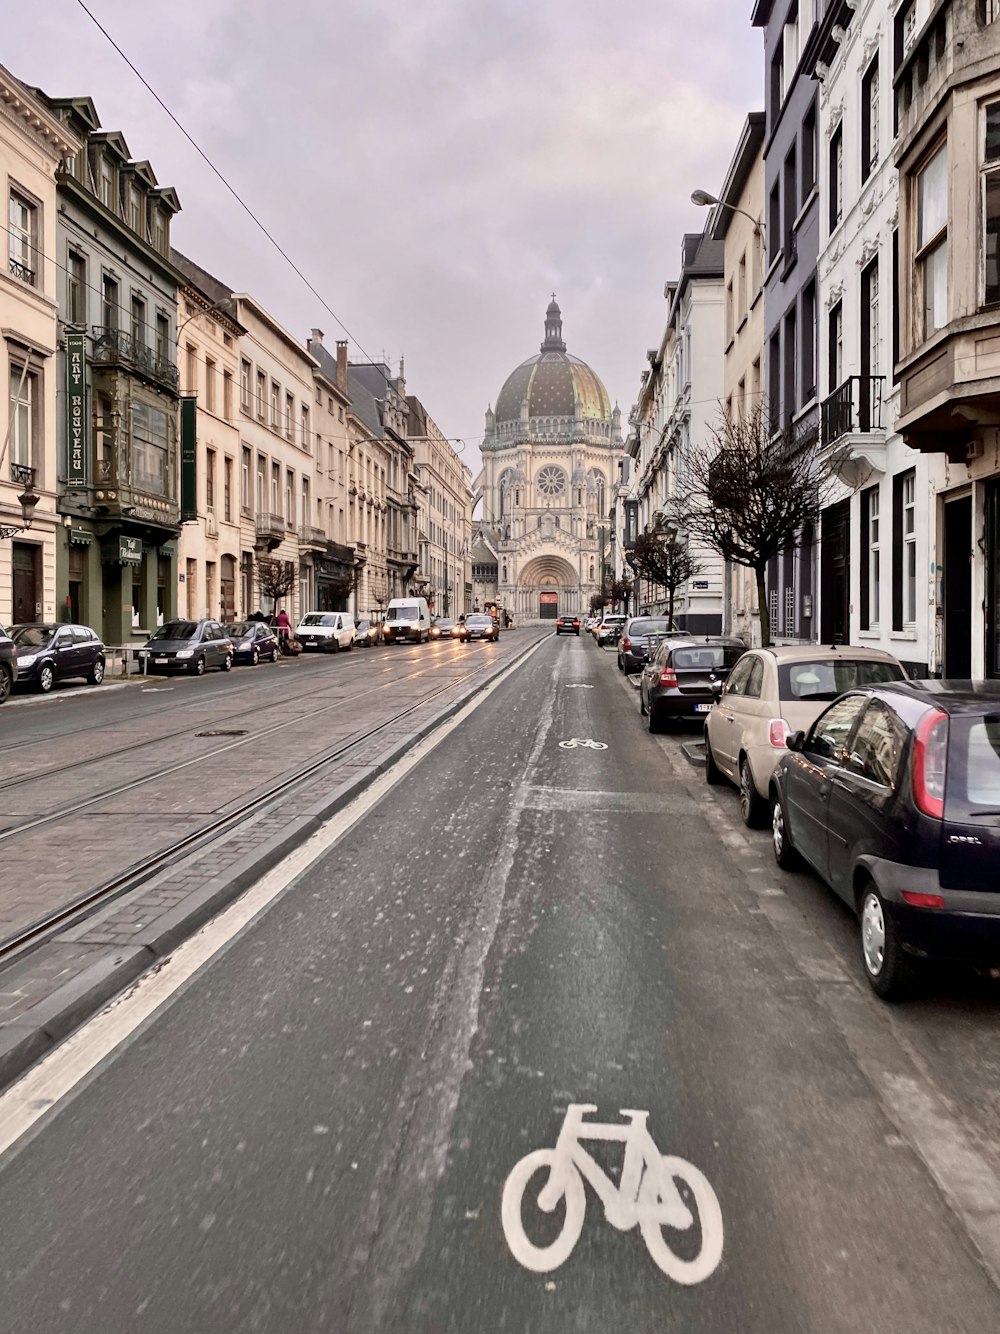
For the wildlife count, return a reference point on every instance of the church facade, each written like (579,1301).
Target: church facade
(550,461)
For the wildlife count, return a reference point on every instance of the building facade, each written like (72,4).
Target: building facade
(444,516)
(550,455)
(33,143)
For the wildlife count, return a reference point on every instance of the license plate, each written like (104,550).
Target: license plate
(159,662)
(702,708)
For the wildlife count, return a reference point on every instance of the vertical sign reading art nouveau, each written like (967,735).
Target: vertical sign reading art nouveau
(76,410)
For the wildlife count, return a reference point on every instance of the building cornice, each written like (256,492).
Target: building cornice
(24,110)
(268,320)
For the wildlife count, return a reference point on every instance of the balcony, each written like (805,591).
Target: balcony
(852,436)
(21,272)
(114,347)
(270,531)
(312,539)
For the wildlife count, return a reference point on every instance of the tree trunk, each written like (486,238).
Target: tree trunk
(765,614)
(670,608)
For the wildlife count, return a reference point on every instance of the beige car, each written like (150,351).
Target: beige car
(770,693)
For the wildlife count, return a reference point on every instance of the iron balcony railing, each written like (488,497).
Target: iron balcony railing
(116,347)
(21,271)
(854,408)
(22,474)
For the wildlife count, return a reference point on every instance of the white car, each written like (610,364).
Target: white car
(610,628)
(328,631)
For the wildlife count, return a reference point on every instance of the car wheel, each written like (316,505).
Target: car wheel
(96,674)
(713,774)
(255,656)
(199,667)
(891,972)
(46,678)
(642,703)
(784,854)
(335,645)
(227,663)
(655,721)
(6,681)
(753,808)
(621,665)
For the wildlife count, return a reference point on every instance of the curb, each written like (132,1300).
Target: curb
(30,1037)
(694,752)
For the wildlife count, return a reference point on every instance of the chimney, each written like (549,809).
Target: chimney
(342,365)
(317,337)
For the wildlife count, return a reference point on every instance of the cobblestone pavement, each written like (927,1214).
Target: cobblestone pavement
(91,786)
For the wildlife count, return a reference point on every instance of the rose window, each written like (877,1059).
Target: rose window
(551,481)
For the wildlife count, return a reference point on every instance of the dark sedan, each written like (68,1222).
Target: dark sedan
(640,636)
(252,641)
(187,646)
(8,664)
(893,797)
(682,678)
(481,626)
(367,634)
(50,653)
(445,628)
(568,625)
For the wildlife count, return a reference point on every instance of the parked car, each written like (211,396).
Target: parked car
(640,636)
(679,680)
(366,634)
(8,664)
(481,626)
(446,628)
(47,653)
(591,624)
(770,693)
(187,646)
(328,631)
(893,797)
(568,625)
(253,640)
(609,629)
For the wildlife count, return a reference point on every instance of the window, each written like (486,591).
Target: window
(150,449)
(275,488)
(210,373)
(275,404)
(22,223)
(210,480)
(159,233)
(135,211)
(869,325)
(870,559)
(808,154)
(192,368)
(306,503)
(904,550)
(245,373)
(788,206)
(878,746)
(932,241)
(774,222)
(261,394)
(227,490)
(108,185)
(830,731)
(869,120)
(289,416)
(227,395)
(109,303)
(777,81)
(836,176)
(163,337)
(261,484)
(991,203)
(138,323)
(290,497)
(76,288)
(791,384)
(245,481)
(835,369)
(23,415)
(808,357)
(730,322)
(306,439)
(741,288)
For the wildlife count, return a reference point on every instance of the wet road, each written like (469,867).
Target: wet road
(316,1131)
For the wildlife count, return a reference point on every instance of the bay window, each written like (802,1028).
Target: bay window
(932,241)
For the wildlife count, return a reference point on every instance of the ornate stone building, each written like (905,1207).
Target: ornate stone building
(550,457)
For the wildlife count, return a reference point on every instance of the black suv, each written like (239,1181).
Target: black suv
(893,797)
(8,664)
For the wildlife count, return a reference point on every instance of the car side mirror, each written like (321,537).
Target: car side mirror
(717,688)
(795,741)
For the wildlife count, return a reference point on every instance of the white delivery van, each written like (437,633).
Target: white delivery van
(329,631)
(407,618)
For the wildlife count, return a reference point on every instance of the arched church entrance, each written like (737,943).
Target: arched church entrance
(548,587)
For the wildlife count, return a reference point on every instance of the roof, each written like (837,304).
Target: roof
(750,144)
(702,256)
(950,696)
(364,404)
(821,652)
(553,383)
(217,293)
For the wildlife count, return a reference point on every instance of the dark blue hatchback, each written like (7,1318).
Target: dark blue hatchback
(893,797)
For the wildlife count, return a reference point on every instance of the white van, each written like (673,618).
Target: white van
(407,618)
(329,631)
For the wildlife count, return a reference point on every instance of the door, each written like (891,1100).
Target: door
(835,574)
(992,516)
(809,777)
(548,606)
(722,725)
(66,654)
(957,589)
(26,604)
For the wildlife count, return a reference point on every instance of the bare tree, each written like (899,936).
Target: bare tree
(750,494)
(664,558)
(621,590)
(598,601)
(275,578)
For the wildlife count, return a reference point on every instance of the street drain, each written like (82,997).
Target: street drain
(223,732)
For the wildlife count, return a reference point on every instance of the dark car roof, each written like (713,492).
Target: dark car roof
(53,626)
(949,696)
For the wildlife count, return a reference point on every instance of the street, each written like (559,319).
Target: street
(315,1130)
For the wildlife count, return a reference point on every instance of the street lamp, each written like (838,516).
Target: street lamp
(28,499)
(705,200)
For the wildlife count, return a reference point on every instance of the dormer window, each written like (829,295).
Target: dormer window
(108,185)
(135,210)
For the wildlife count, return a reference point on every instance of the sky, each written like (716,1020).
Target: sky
(436,168)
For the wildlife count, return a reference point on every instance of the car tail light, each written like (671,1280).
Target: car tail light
(777,733)
(922,900)
(668,677)
(626,643)
(929,752)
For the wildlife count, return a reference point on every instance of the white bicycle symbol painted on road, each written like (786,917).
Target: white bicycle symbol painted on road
(647,1195)
(582,743)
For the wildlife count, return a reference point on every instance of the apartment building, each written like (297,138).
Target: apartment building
(333,552)
(444,516)
(33,143)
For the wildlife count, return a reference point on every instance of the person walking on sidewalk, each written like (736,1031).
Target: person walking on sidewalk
(284,628)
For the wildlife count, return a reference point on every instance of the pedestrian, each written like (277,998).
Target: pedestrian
(284,626)
(506,619)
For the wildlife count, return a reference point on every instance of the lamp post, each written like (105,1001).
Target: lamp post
(22,475)
(705,200)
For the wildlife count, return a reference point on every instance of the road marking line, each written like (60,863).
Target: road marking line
(38,1093)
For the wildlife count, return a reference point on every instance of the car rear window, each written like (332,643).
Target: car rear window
(972,788)
(826,678)
(648,626)
(705,656)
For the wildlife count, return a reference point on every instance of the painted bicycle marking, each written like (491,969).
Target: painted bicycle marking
(647,1195)
(582,743)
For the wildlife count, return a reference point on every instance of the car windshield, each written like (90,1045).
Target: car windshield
(404,613)
(477,620)
(826,678)
(239,629)
(32,636)
(444,625)
(705,657)
(176,630)
(318,618)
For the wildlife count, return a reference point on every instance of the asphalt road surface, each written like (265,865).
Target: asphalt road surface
(316,1131)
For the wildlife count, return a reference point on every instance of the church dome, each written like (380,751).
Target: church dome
(553,383)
